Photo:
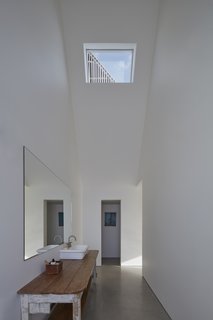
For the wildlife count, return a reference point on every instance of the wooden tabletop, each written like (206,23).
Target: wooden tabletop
(73,278)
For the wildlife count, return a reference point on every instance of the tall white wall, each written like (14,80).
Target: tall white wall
(131,219)
(108,117)
(177,166)
(34,111)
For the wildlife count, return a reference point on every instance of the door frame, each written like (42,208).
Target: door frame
(118,202)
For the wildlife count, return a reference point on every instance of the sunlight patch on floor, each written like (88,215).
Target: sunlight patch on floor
(133,262)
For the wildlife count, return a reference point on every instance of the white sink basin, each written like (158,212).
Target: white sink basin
(77,251)
(46,248)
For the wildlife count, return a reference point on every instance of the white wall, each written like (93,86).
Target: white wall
(131,219)
(35,111)
(177,162)
(108,117)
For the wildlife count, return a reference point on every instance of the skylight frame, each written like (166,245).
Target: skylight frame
(110,47)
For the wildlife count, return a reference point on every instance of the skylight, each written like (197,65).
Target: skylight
(109,63)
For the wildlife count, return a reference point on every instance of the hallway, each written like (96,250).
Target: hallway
(122,293)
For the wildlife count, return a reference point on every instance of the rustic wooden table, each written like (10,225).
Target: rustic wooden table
(65,287)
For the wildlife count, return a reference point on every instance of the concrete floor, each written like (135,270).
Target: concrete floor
(122,293)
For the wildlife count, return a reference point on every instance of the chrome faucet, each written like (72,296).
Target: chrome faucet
(58,236)
(69,243)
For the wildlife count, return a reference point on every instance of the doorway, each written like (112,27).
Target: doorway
(111,232)
(53,222)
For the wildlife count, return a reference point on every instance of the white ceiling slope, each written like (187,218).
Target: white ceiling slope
(109,118)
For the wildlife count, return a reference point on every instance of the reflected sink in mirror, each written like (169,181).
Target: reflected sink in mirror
(77,251)
(46,248)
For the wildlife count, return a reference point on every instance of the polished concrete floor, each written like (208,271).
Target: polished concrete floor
(122,293)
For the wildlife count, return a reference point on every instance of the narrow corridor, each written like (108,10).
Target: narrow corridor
(122,293)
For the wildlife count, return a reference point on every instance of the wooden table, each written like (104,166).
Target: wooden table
(66,287)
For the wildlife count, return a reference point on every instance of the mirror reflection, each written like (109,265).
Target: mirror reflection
(47,207)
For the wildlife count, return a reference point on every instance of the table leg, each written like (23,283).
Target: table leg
(94,272)
(77,307)
(24,307)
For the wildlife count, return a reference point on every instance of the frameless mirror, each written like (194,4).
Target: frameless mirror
(47,207)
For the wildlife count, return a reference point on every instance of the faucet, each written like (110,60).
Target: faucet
(58,236)
(69,243)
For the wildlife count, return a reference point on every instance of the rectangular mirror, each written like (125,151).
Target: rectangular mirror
(47,207)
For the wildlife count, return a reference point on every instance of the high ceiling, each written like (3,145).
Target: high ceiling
(109,118)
